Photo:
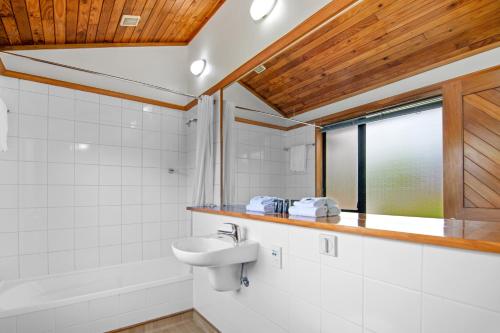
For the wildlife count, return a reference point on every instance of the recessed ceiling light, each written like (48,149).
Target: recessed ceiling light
(261,8)
(129,20)
(198,66)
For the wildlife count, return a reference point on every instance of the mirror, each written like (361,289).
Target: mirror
(257,150)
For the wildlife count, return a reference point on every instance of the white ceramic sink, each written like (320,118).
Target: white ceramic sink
(214,251)
(220,255)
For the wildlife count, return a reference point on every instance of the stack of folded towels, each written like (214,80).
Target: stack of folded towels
(315,207)
(262,204)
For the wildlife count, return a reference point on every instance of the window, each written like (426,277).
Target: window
(389,162)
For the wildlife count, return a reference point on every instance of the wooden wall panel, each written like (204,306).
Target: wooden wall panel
(471,138)
(45,23)
(482,158)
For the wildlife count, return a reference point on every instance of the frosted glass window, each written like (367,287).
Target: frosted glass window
(342,166)
(404,165)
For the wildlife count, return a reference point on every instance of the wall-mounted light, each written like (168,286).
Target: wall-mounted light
(198,66)
(261,8)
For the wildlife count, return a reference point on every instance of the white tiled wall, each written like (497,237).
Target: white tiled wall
(105,313)
(300,184)
(260,162)
(374,285)
(263,165)
(85,182)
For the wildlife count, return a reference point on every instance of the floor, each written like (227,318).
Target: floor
(187,322)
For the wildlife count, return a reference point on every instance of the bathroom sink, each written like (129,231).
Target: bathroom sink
(223,258)
(214,251)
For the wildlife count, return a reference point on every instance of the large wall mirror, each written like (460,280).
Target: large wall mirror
(338,113)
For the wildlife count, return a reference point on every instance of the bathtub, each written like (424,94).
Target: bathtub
(95,300)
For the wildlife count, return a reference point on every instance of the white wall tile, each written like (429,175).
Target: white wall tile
(31,173)
(32,127)
(61,107)
(305,280)
(87,111)
(110,135)
(60,240)
(465,276)
(304,317)
(333,323)
(86,132)
(60,217)
(341,294)
(61,152)
(441,315)
(391,309)
(61,174)
(61,129)
(395,262)
(8,244)
(9,220)
(61,262)
(33,265)
(31,242)
(33,103)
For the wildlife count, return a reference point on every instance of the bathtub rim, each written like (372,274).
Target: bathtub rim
(184,276)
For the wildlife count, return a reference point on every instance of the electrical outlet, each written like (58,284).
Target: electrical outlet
(276,257)
(328,245)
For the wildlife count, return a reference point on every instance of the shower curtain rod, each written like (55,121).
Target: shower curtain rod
(146,85)
(279,117)
(149,85)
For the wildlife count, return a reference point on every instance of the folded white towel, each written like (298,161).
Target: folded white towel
(334,211)
(308,211)
(298,157)
(4,126)
(316,202)
(262,199)
(267,208)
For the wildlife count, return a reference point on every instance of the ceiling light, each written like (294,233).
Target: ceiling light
(129,20)
(198,66)
(261,8)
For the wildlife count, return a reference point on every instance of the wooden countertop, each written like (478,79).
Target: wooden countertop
(469,235)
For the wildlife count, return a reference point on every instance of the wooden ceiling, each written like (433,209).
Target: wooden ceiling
(373,44)
(63,22)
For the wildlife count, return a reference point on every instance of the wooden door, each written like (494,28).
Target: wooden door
(472,147)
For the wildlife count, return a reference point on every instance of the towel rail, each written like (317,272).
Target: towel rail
(307,144)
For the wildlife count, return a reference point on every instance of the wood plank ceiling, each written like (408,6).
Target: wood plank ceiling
(48,22)
(373,44)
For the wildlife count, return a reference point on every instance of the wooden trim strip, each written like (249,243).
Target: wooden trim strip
(456,233)
(260,123)
(86,46)
(81,87)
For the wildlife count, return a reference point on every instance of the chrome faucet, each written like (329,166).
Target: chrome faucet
(235,233)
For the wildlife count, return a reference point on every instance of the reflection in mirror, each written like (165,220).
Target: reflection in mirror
(258,156)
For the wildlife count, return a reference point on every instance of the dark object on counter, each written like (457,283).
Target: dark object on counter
(286,206)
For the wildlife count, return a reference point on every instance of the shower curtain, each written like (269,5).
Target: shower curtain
(205,160)
(229,154)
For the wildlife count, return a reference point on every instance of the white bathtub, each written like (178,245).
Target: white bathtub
(95,300)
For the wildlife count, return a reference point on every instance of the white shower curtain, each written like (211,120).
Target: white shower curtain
(205,160)
(229,154)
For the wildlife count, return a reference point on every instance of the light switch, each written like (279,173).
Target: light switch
(276,257)
(328,245)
